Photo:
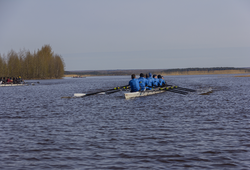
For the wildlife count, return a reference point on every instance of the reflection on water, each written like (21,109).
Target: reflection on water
(40,130)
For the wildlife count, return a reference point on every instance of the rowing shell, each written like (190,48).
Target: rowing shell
(144,93)
(7,85)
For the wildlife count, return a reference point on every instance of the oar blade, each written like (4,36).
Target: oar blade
(79,94)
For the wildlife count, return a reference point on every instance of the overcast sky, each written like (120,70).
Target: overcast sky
(131,34)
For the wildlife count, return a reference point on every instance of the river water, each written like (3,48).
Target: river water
(41,130)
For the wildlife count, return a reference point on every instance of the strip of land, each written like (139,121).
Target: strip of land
(243,76)
(164,72)
(70,75)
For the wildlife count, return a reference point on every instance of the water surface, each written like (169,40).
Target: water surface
(41,130)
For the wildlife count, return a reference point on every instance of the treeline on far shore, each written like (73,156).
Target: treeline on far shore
(184,71)
(40,64)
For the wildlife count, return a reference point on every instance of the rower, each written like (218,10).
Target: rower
(156,81)
(20,80)
(14,80)
(9,81)
(4,81)
(161,81)
(134,84)
(150,81)
(142,82)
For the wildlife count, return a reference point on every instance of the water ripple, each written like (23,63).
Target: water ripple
(40,130)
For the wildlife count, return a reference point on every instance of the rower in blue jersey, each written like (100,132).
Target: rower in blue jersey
(134,84)
(146,81)
(150,81)
(156,81)
(161,81)
(142,82)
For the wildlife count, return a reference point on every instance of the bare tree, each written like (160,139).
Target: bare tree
(42,64)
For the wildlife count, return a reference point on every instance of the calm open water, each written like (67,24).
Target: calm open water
(41,130)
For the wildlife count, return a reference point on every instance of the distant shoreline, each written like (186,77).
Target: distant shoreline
(208,73)
(243,76)
(180,73)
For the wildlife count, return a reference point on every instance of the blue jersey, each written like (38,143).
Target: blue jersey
(156,82)
(161,82)
(146,82)
(150,80)
(134,85)
(142,83)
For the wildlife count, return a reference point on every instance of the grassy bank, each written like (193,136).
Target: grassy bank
(70,75)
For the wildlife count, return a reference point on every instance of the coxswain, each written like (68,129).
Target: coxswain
(134,84)
(156,81)
(161,81)
(142,82)
(150,81)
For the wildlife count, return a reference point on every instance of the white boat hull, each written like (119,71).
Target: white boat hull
(7,85)
(139,94)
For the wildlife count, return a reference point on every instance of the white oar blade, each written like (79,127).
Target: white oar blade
(79,94)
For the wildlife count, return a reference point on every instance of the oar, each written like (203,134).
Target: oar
(33,82)
(186,89)
(116,89)
(178,91)
(190,90)
(113,91)
(124,88)
(29,83)
(174,90)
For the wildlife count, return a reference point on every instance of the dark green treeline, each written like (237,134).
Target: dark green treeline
(41,64)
